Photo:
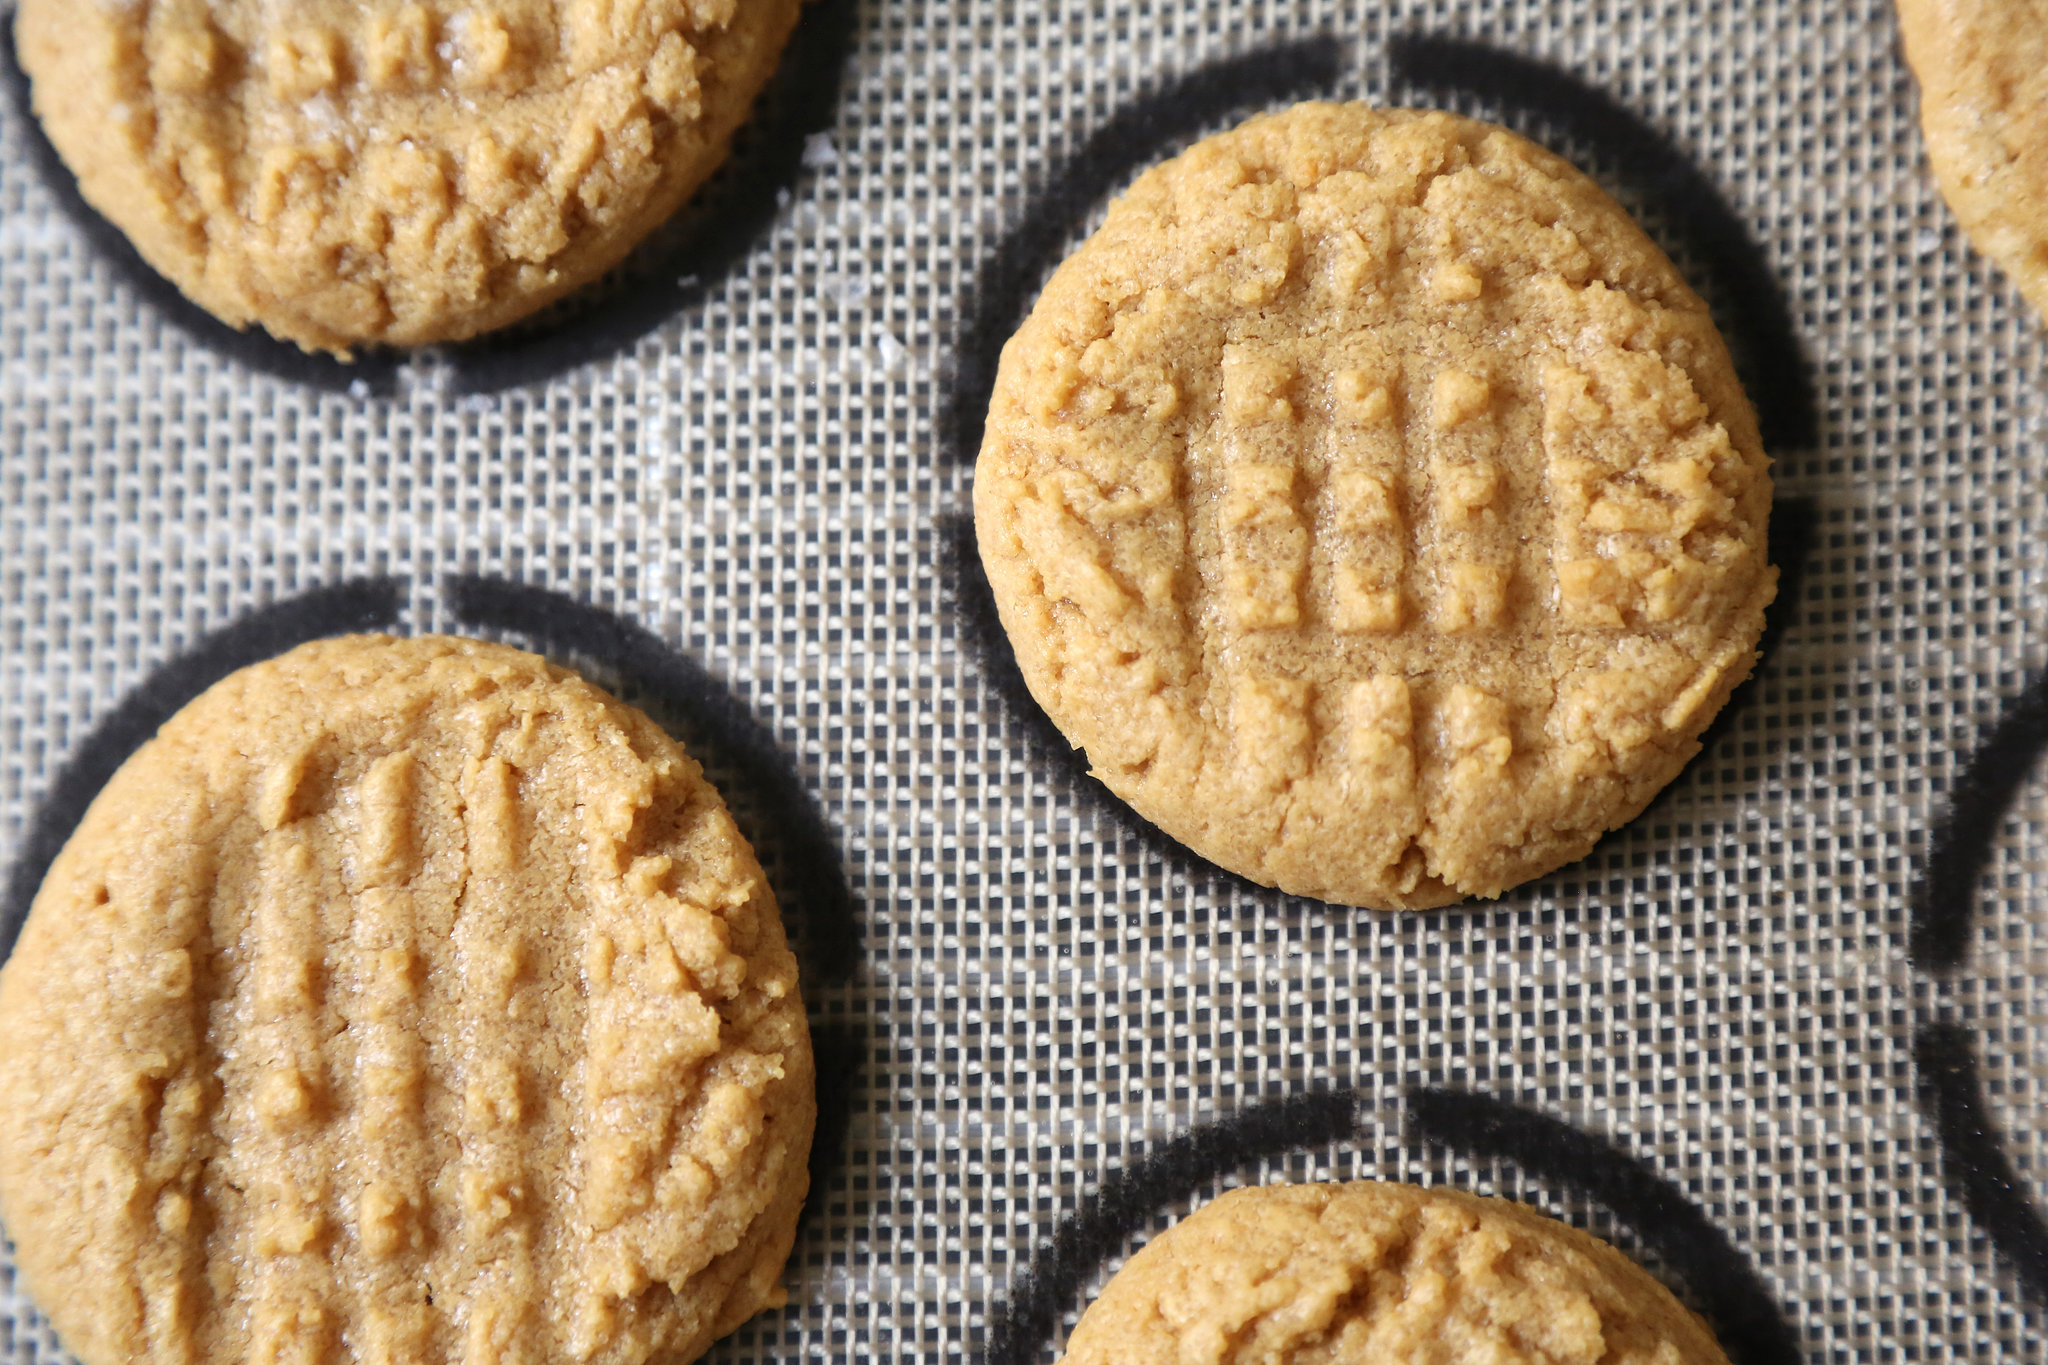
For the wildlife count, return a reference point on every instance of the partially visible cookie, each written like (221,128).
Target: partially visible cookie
(1983,70)
(400,1001)
(1311,1274)
(1376,505)
(395,172)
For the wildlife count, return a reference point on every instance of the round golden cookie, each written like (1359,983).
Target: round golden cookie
(394,171)
(1376,506)
(1307,1274)
(1983,71)
(403,1000)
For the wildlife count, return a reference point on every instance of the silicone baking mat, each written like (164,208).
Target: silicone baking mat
(1784,1038)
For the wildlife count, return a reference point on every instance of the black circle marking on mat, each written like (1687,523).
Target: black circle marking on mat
(1129,1199)
(1134,137)
(784,824)
(1944,897)
(839,1048)
(1973,1158)
(982,633)
(1744,1315)
(341,609)
(1730,254)
(255,348)
(596,320)
(1747,1320)
(1772,363)
(800,99)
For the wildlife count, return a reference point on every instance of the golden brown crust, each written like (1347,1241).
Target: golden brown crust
(1983,71)
(1318,1274)
(397,173)
(1376,506)
(406,1000)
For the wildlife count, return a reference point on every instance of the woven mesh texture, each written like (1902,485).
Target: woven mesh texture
(1042,993)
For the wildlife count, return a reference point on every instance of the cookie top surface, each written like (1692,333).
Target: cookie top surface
(1376,506)
(1303,1274)
(403,1000)
(392,172)
(1983,72)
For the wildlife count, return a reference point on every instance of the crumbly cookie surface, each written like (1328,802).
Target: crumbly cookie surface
(1983,72)
(1376,506)
(400,171)
(1306,1274)
(403,1000)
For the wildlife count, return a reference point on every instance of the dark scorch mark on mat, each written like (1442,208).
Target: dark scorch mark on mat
(1772,364)
(767,797)
(255,348)
(1133,1197)
(708,240)
(343,609)
(1744,1316)
(1132,139)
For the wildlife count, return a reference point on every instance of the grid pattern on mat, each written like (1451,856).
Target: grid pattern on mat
(1044,995)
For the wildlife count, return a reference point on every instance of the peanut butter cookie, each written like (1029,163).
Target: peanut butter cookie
(392,172)
(1983,70)
(403,1000)
(1301,1274)
(1376,505)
